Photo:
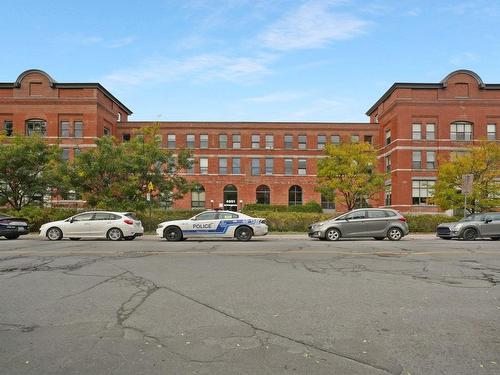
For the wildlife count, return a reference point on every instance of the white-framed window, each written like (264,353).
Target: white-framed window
(190,168)
(222,165)
(461,131)
(388,195)
(236,141)
(430,160)
(302,170)
(203,140)
(65,154)
(198,197)
(78,131)
(106,131)
(36,126)
(416,160)
(288,141)
(190,139)
(321,141)
(430,132)
(335,139)
(491,132)
(171,141)
(236,166)
(255,141)
(64,129)
(422,190)
(354,138)
(269,141)
(388,163)
(8,128)
(388,136)
(288,167)
(302,142)
(416,132)
(222,140)
(255,167)
(269,165)
(203,165)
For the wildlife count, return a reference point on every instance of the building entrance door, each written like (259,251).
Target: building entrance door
(230,198)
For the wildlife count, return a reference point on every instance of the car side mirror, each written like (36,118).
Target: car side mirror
(489,220)
(71,220)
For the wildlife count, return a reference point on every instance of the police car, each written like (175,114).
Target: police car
(213,224)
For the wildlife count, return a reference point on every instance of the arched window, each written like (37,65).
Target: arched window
(295,196)
(198,197)
(36,126)
(461,131)
(230,198)
(263,194)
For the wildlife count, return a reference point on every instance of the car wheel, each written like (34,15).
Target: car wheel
(379,238)
(332,234)
(129,238)
(470,234)
(495,238)
(114,234)
(243,234)
(11,236)
(395,234)
(75,238)
(54,234)
(172,234)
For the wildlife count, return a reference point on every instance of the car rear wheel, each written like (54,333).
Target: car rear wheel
(114,234)
(332,234)
(395,234)
(172,234)
(470,234)
(54,234)
(243,234)
(379,238)
(11,236)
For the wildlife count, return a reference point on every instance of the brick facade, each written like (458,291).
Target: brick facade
(414,126)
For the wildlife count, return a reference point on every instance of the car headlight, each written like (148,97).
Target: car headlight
(457,227)
(318,225)
(161,225)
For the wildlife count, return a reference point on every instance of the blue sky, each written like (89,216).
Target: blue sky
(250,60)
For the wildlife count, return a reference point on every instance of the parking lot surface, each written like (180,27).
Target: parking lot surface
(275,305)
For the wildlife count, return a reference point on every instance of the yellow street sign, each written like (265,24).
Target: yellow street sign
(151,187)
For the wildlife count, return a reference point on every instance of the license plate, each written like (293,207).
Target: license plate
(21,229)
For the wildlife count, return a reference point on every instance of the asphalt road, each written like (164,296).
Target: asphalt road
(275,305)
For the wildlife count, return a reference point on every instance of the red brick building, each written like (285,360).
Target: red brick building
(414,126)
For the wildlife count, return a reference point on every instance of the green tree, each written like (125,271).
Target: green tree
(28,169)
(118,174)
(349,170)
(483,162)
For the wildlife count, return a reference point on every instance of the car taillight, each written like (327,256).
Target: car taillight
(402,219)
(128,221)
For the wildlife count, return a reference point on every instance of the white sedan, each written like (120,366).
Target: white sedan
(96,224)
(213,224)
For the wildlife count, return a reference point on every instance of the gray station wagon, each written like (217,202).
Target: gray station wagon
(365,222)
(471,227)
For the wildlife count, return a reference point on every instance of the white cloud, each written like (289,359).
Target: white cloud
(117,43)
(464,58)
(198,68)
(281,96)
(314,24)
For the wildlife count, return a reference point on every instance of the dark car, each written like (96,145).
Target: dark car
(469,228)
(364,222)
(12,227)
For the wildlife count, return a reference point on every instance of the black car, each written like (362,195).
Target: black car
(12,227)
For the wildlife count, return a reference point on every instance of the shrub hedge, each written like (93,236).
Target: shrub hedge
(308,207)
(277,220)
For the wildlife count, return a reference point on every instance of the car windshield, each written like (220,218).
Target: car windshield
(473,217)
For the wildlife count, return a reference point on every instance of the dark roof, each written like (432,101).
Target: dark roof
(441,85)
(55,84)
